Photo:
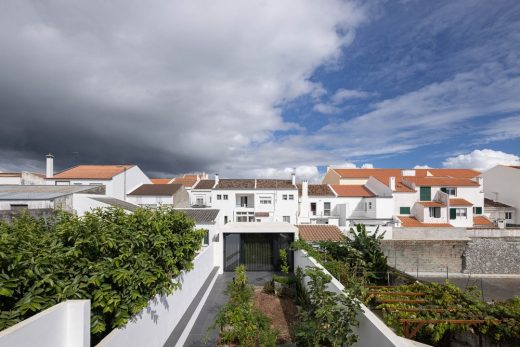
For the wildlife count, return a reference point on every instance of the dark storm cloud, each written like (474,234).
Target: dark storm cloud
(172,86)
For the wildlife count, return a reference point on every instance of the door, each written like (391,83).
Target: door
(257,252)
(231,251)
(243,201)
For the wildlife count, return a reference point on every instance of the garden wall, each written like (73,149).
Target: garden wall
(153,325)
(66,324)
(493,256)
(371,331)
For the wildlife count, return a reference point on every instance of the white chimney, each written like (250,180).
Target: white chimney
(328,168)
(293,178)
(216,178)
(49,167)
(392,183)
(305,189)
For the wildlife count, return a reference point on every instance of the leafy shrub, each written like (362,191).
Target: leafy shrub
(286,280)
(284,265)
(268,287)
(239,321)
(119,261)
(328,318)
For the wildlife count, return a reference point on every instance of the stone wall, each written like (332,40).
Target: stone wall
(425,255)
(478,255)
(493,256)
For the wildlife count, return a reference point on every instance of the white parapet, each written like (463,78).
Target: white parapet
(66,324)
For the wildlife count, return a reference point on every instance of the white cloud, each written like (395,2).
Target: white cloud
(502,129)
(345,94)
(309,173)
(422,167)
(326,108)
(481,160)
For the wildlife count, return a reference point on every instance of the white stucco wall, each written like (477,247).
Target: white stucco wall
(154,324)
(66,324)
(502,183)
(150,200)
(371,331)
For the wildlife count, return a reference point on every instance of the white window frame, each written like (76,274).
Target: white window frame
(432,212)
(225,197)
(284,197)
(219,197)
(291,196)
(454,189)
(326,211)
(461,213)
(287,219)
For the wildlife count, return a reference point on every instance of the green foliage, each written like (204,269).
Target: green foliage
(119,261)
(302,296)
(286,280)
(329,318)
(369,245)
(269,287)
(284,266)
(239,321)
(502,320)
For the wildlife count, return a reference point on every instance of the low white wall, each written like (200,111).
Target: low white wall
(371,331)
(432,233)
(66,324)
(493,232)
(153,325)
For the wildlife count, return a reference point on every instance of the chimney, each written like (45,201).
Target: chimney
(328,168)
(216,178)
(49,167)
(305,189)
(392,183)
(293,178)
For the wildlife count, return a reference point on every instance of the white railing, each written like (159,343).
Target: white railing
(66,324)
(371,331)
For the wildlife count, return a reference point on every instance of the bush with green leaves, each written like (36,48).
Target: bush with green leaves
(119,261)
(239,321)
(328,318)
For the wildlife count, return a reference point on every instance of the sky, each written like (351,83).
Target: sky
(258,88)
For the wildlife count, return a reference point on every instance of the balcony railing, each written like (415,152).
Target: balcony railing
(245,205)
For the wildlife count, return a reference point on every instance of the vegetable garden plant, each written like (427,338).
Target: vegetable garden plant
(119,261)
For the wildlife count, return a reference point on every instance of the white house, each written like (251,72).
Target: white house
(153,195)
(249,200)
(22,178)
(119,180)
(503,185)
(422,197)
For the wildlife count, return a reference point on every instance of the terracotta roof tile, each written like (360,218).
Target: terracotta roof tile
(204,184)
(156,189)
(460,202)
(351,190)
(412,222)
(160,180)
(186,181)
(274,184)
(491,203)
(100,172)
(482,221)
(317,190)
(319,232)
(235,184)
(431,203)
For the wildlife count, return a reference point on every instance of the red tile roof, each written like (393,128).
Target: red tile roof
(100,172)
(482,221)
(442,182)
(431,203)
(491,203)
(187,181)
(160,180)
(205,184)
(319,232)
(412,222)
(351,190)
(156,189)
(317,190)
(460,202)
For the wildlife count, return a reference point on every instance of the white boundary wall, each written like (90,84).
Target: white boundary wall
(154,324)
(66,324)
(371,331)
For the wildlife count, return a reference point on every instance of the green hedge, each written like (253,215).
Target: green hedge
(119,261)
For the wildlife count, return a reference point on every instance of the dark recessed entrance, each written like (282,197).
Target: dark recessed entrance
(258,252)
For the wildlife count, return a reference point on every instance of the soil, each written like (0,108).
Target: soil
(282,312)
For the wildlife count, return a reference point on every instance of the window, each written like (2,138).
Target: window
(426,193)
(291,196)
(219,197)
(477,210)
(404,210)
(284,197)
(313,208)
(225,219)
(449,190)
(266,200)
(205,241)
(458,213)
(326,208)
(225,196)
(435,212)
(245,217)
(368,205)
(509,215)
(200,201)
(287,219)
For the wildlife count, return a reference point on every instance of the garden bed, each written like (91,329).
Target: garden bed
(282,312)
